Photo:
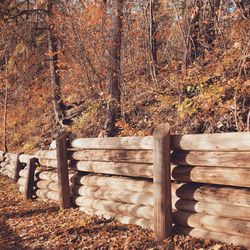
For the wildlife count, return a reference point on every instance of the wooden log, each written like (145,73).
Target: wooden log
(22,181)
(162,183)
(216,209)
(212,142)
(145,212)
(137,143)
(9,167)
(6,172)
(48,175)
(214,159)
(48,162)
(24,173)
(46,154)
(17,168)
(135,156)
(3,164)
(50,185)
(122,219)
(63,172)
(24,158)
(218,236)
(21,189)
(141,198)
(51,163)
(115,168)
(213,223)
(212,193)
(31,166)
(10,157)
(114,182)
(120,195)
(214,175)
(190,191)
(47,194)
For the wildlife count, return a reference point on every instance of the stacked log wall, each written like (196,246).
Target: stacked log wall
(113,177)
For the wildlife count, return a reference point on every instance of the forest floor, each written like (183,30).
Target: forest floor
(41,225)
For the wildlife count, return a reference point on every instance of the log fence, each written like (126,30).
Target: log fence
(190,184)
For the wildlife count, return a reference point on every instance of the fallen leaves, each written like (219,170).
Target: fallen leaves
(41,225)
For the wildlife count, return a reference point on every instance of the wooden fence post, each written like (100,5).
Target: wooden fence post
(63,172)
(28,189)
(17,168)
(162,183)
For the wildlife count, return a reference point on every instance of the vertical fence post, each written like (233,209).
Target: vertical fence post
(63,172)
(29,185)
(17,168)
(162,183)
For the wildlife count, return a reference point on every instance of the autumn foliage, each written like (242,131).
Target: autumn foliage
(185,62)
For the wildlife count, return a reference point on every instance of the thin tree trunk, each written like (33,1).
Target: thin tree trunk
(114,90)
(5,119)
(54,69)
(152,40)
(5,112)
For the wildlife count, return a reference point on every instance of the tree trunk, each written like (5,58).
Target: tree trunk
(152,39)
(5,111)
(114,104)
(210,27)
(192,32)
(54,69)
(5,119)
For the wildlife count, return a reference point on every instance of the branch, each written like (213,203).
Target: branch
(23,12)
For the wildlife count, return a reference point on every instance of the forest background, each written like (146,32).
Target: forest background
(120,67)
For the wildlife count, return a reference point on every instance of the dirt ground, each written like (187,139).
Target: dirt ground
(41,225)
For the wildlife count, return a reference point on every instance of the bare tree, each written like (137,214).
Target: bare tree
(114,88)
(5,110)
(54,69)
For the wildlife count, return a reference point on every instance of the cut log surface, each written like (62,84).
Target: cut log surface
(145,212)
(218,159)
(212,142)
(213,223)
(219,236)
(212,175)
(122,219)
(47,194)
(136,143)
(124,169)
